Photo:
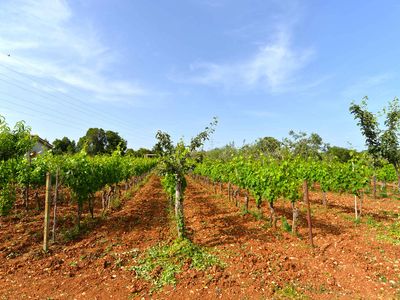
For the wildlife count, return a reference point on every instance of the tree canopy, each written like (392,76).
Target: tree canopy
(98,141)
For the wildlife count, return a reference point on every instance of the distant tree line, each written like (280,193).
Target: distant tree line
(298,143)
(97,141)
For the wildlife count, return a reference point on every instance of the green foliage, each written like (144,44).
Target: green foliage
(14,145)
(64,146)
(299,144)
(161,263)
(381,142)
(14,142)
(98,141)
(339,153)
(175,162)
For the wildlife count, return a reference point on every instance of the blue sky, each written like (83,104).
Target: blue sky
(262,67)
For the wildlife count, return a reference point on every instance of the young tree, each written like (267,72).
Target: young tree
(380,143)
(177,161)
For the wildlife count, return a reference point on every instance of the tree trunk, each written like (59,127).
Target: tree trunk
(307,202)
(374,186)
(384,188)
(55,208)
(36,196)
(91,209)
(398,179)
(220,187)
(324,202)
(27,184)
(237,195)
(246,203)
(47,213)
(179,214)
(79,214)
(295,216)
(258,204)
(26,196)
(272,215)
(229,191)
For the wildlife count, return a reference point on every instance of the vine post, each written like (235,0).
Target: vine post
(47,213)
(55,205)
(307,202)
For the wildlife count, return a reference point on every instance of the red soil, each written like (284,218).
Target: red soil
(348,262)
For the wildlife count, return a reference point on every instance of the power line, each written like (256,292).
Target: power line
(73,105)
(12,81)
(88,107)
(69,125)
(31,107)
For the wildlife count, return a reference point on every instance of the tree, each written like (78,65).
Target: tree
(299,144)
(97,141)
(113,141)
(390,137)
(64,146)
(14,142)
(342,154)
(269,145)
(175,162)
(141,152)
(380,142)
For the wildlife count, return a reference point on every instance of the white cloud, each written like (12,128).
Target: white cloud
(273,66)
(46,41)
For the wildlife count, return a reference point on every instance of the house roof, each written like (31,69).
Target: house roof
(43,142)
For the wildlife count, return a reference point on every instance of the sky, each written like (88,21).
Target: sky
(262,67)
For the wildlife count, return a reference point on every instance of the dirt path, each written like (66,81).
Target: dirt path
(91,268)
(347,263)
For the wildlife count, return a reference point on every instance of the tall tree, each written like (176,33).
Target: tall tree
(98,141)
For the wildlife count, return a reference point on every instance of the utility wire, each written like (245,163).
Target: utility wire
(88,107)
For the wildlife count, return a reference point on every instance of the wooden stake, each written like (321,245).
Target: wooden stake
(55,207)
(47,213)
(307,201)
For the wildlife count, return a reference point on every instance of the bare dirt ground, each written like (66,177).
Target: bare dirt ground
(351,260)
(90,267)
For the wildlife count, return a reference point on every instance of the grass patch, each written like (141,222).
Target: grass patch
(161,263)
(389,233)
(288,291)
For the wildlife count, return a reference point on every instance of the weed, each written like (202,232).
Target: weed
(73,263)
(161,263)
(288,291)
(285,225)
(116,203)
(257,215)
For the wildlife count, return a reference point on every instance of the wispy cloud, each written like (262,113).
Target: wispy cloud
(273,66)
(367,85)
(45,40)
